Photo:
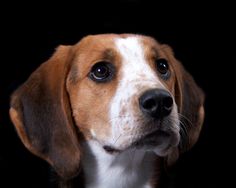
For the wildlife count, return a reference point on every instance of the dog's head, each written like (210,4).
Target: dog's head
(121,91)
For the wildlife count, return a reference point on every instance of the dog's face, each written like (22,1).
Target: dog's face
(121,91)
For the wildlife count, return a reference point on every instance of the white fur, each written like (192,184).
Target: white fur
(136,77)
(129,169)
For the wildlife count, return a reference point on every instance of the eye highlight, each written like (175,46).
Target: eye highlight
(101,72)
(163,67)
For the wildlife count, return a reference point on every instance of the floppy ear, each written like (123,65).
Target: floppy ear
(190,100)
(41,112)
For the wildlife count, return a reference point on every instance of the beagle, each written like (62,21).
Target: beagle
(112,107)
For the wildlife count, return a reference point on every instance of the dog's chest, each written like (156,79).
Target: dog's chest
(131,169)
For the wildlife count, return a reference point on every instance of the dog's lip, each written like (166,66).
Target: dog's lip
(157,133)
(153,139)
(149,139)
(111,150)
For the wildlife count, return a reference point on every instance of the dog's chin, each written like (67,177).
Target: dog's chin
(159,142)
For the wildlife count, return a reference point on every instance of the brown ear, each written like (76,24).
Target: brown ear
(40,110)
(190,100)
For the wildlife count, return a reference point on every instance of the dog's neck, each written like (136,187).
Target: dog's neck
(129,169)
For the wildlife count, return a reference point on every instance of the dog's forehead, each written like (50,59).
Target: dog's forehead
(130,48)
(121,49)
(100,43)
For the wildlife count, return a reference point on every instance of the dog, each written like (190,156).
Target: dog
(112,107)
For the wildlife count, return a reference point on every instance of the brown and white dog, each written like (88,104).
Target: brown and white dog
(111,105)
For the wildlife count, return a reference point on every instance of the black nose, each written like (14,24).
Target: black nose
(156,103)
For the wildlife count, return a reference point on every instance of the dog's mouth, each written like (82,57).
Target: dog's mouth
(111,150)
(152,139)
(148,141)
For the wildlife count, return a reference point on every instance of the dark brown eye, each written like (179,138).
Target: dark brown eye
(101,72)
(162,66)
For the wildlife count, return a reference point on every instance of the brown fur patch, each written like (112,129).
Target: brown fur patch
(90,100)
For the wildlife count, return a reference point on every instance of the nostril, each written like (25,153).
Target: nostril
(167,102)
(149,104)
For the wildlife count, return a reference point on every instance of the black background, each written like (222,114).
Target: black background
(201,35)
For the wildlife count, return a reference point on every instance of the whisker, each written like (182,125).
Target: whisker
(184,129)
(185,118)
(117,139)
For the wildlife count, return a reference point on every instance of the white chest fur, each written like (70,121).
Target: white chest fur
(130,169)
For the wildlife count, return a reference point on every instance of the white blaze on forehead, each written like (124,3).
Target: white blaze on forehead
(133,60)
(136,76)
(134,66)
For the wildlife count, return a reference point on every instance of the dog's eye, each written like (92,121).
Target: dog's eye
(162,66)
(101,72)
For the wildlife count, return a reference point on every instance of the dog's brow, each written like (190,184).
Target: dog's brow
(108,54)
(155,52)
(105,54)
